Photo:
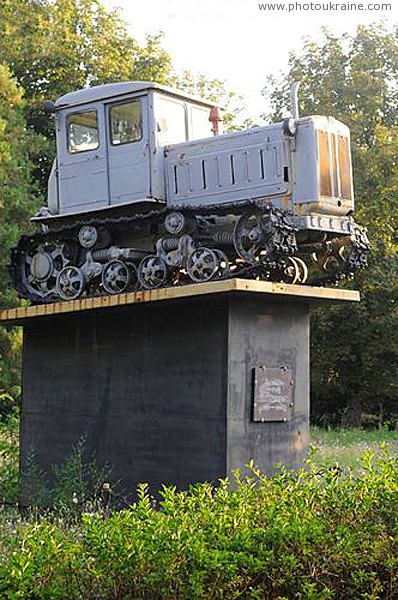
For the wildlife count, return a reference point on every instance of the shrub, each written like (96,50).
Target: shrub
(72,486)
(9,453)
(319,533)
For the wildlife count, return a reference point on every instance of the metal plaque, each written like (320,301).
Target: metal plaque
(273,394)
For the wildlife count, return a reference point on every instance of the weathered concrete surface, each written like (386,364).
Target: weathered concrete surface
(164,391)
(274,335)
(146,386)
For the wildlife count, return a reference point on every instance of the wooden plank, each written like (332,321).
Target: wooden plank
(314,295)
(304,291)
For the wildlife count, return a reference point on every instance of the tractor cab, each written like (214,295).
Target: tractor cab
(110,144)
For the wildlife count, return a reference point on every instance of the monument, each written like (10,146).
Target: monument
(170,323)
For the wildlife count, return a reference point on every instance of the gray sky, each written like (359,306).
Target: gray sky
(235,41)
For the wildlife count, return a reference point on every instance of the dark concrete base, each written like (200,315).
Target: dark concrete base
(164,391)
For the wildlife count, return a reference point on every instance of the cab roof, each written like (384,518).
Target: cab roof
(112,90)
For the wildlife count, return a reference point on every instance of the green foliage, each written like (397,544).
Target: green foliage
(9,455)
(346,446)
(73,485)
(327,531)
(355,348)
(55,47)
(214,90)
(320,533)
(18,200)
(17,194)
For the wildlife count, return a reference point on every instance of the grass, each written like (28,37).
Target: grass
(347,446)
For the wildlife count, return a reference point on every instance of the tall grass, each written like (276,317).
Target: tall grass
(346,446)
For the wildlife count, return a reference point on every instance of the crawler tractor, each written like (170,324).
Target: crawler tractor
(145,193)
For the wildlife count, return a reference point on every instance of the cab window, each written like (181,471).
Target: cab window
(171,123)
(125,122)
(200,124)
(82,131)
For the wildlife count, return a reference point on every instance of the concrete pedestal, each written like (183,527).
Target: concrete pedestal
(177,391)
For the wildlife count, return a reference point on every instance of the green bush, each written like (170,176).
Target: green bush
(9,455)
(324,532)
(72,486)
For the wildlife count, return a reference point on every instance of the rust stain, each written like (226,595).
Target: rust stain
(285,202)
(345,168)
(324,164)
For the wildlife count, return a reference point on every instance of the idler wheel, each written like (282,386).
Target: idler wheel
(289,270)
(223,263)
(71,283)
(303,269)
(41,266)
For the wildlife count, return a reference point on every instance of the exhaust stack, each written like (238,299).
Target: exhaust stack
(294,100)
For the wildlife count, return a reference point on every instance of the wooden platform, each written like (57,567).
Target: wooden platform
(312,295)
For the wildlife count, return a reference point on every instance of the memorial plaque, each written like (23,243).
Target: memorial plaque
(273,394)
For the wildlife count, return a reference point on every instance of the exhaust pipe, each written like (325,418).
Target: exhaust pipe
(294,100)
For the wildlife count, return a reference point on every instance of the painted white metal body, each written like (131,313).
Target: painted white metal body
(113,175)
(262,162)
(228,168)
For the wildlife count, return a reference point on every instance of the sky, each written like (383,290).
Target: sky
(235,41)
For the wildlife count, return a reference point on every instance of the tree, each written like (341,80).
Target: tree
(18,200)
(355,348)
(54,47)
(215,91)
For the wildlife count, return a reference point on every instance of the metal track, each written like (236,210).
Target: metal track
(154,218)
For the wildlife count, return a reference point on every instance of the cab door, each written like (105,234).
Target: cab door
(128,150)
(82,152)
